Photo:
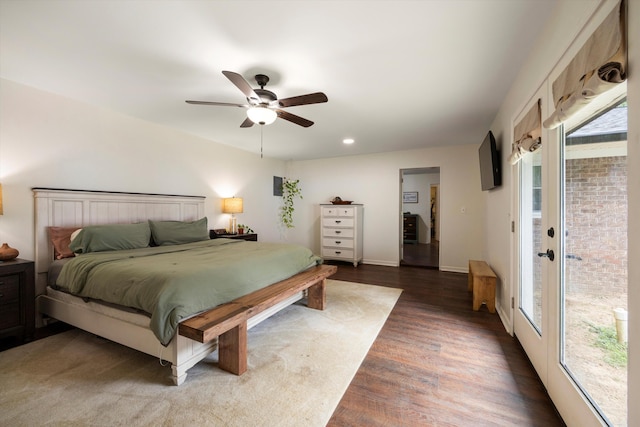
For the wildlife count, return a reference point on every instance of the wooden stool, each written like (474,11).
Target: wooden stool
(482,281)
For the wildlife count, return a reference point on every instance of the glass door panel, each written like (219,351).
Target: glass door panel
(594,265)
(531,236)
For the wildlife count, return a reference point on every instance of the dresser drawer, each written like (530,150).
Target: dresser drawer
(9,289)
(337,253)
(329,211)
(338,243)
(337,211)
(337,222)
(337,232)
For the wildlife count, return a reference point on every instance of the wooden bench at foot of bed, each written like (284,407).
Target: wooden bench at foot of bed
(228,321)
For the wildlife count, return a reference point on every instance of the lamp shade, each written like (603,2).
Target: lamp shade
(261,115)
(1,212)
(232,205)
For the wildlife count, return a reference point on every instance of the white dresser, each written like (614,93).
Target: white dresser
(341,232)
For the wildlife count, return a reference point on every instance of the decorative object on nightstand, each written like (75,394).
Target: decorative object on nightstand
(341,232)
(232,205)
(6,252)
(242,229)
(17,298)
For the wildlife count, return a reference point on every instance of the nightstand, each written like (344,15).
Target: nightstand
(253,237)
(17,298)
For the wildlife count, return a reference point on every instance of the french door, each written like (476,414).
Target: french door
(536,241)
(571,270)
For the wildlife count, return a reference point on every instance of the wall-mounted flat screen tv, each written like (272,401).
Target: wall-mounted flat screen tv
(490,171)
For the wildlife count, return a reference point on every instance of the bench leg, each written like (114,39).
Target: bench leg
(478,294)
(484,290)
(316,297)
(232,350)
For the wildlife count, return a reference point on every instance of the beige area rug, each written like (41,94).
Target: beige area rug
(300,363)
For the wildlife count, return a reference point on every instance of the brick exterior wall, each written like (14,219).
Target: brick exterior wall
(596,224)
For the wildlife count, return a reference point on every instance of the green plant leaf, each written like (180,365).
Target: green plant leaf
(290,190)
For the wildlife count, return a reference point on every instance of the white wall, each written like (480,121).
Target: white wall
(50,141)
(374,181)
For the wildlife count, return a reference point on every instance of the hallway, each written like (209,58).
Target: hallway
(426,255)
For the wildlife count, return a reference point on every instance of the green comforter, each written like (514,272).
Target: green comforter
(172,283)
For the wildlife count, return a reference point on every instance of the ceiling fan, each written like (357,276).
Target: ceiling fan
(263,105)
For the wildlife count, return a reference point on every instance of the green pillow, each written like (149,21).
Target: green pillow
(111,237)
(178,232)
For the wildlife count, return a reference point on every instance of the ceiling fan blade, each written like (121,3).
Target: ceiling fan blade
(247,123)
(312,98)
(294,119)
(242,84)
(223,104)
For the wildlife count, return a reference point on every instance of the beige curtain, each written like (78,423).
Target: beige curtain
(599,66)
(527,134)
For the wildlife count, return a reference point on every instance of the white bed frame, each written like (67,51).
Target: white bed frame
(77,208)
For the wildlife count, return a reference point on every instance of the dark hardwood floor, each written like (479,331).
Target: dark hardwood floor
(438,363)
(425,255)
(435,362)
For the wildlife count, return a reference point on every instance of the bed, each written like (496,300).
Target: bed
(136,327)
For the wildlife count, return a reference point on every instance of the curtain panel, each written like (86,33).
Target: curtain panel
(599,66)
(527,134)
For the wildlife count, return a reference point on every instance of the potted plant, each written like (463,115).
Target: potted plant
(290,191)
(244,229)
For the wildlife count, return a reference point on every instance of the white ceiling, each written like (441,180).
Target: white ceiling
(398,74)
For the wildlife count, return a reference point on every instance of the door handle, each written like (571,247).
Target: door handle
(549,254)
(572,256)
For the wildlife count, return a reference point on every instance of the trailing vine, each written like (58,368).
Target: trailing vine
(290,191)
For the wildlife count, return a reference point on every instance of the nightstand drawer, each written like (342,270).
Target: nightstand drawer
(9,289)
(17,299)
(9,316)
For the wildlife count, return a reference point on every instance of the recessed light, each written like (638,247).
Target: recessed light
(348,141)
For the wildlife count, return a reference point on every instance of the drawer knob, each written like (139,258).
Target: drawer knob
(338,242)
(338,221)
(338,252)
(338,231)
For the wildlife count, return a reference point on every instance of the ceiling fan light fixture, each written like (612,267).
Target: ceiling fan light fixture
(261,115)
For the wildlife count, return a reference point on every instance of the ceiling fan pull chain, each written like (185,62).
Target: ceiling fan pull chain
(261,127)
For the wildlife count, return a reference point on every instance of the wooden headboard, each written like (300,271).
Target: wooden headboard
(79,208)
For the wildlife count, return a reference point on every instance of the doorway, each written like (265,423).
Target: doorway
(420,217)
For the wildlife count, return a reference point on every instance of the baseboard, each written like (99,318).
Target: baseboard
(382,263)
(505,319)
(451,269)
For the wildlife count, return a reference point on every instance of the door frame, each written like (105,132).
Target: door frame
(535,344)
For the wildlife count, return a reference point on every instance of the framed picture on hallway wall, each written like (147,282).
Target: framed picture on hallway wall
(409,197)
